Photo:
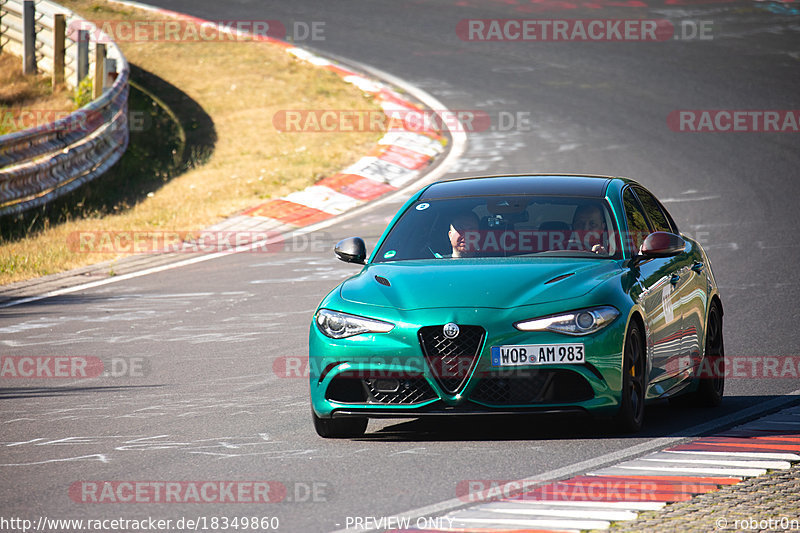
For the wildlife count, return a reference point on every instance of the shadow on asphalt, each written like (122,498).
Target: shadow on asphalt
(661,420)
(8,393)
(39,308)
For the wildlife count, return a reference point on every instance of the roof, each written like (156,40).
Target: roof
(538,184)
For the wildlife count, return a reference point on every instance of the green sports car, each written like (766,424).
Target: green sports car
(519,294)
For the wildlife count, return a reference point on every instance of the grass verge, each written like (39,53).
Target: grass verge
(26,98)
(206,147)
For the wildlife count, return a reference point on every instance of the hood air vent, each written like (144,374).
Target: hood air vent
(559,278)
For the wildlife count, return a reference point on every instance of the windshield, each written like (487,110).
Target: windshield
(502,226)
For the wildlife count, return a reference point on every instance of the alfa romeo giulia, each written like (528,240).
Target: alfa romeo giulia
(519,294)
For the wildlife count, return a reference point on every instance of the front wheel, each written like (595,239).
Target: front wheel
(630,417)
(339,428)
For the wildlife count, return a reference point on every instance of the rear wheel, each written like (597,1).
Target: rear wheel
(631,410)
(712,383)
(339,428)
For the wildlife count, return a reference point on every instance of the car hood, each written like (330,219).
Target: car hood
(475,283)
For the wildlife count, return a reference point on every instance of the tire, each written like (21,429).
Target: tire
(711,388)
(339,428)
(711,383)
(630,417)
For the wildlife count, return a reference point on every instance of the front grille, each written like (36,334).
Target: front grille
(451,360)
(533,387)
(410,391)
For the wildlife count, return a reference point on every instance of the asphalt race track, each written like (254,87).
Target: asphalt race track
(198,398)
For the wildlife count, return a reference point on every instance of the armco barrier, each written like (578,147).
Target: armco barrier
(47,161)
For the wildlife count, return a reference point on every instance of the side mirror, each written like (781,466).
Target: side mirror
(662,244)
(351,250)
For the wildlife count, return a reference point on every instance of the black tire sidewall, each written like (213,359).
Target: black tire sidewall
(626,420)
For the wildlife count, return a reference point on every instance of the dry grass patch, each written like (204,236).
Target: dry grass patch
(233,162)
(24,98)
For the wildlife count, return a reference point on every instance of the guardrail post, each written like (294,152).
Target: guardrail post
(99,70)
(82,62)
(111,72)
(28,37)
(35,165)
(59,48)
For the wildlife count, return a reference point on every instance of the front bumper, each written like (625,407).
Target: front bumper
(356,376)
(461,410)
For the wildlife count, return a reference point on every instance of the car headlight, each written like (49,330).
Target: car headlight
(580,322)
(340,325)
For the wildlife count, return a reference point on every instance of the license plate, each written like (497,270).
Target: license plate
(538,354)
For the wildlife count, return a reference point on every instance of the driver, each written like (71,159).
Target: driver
(589,220)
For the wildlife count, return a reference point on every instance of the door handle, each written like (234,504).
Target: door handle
(698,267)
(675,279)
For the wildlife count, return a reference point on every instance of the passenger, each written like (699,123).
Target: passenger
(461,227)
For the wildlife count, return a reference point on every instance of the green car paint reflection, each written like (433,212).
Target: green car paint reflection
(491,295)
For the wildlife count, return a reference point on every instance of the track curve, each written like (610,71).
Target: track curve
(211,405)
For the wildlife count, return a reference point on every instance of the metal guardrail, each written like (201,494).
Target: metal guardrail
(39,164)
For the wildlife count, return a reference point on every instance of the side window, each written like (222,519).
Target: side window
(654,212)
(637,221)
